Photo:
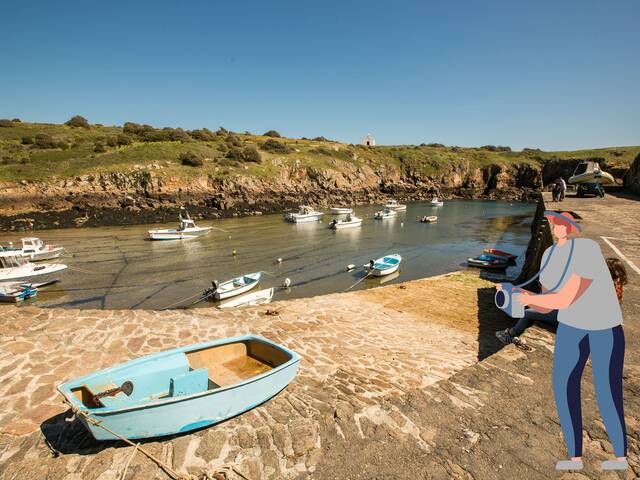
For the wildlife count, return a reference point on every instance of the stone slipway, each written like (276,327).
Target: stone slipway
(390,385)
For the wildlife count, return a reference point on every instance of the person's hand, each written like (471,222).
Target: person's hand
(524,298)
(498,286)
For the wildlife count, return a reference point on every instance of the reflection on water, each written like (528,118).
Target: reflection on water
(115,267)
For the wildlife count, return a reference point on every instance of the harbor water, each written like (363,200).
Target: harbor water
(117,268)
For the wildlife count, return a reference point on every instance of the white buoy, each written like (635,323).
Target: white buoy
(351,266)
(287,283)
(279,260)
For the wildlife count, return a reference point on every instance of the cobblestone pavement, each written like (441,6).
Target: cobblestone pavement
(390,386)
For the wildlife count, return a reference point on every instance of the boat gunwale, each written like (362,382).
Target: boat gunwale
(65,388)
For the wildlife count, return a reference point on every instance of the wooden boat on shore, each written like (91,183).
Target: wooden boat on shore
(185,231)
(16,292)
(261,297)
(341,210)
(235,286)
(13,266)
(182,389)
(384,265)
(304,214)
(350,221)
(394,205)
(384,214)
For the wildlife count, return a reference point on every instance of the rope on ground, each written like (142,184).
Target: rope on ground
(126,467)
(181,301)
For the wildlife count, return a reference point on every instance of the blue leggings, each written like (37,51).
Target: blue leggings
(572,349)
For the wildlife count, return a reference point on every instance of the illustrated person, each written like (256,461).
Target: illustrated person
(589,323)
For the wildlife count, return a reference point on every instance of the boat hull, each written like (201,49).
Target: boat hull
(236,292)
(341,211)
(45,254)
(261,297)
(303,218)
(382,272)
(24,273)
(342,225)
(177,235)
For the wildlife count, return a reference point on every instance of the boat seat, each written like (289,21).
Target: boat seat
(237,370)
(195,381)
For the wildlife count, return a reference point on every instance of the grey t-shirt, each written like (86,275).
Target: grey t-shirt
(597,308)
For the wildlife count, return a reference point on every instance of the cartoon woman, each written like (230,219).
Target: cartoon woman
(589,322)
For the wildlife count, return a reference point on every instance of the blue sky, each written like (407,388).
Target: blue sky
(548,74)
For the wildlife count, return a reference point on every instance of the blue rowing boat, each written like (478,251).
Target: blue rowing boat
(181,389)
(384,266)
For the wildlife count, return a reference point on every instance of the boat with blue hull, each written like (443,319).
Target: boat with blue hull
(182,389)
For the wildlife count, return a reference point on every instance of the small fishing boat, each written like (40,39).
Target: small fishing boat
(394,205)
(304,214)
(16,292)
(384,266)
(350,221)
(429,219)
(341,210)
(436,203)
(261,297)
(383,214)
(500,253)
(233,287)
(182,389)
(35,250)
(185,231)
(13,266)
(486,260)
(589,172)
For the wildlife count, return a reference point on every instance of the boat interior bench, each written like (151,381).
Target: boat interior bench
(181,374)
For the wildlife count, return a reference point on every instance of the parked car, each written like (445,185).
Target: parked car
(589,188)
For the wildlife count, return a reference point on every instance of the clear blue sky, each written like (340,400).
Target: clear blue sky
(550,74)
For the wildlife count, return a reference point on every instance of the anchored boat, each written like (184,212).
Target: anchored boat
(383,214)
(429,219)
(384,266)
(35,250)
(233,287)
(304,214)
(182,389)
(487,260)
(341,210)
(349,222)
(13,266)
(394,205)
(436,203)
(186,230)
(16,292)
(261,297)
(589,172)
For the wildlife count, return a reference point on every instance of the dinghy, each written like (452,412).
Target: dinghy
(384,266)
(341,210)
(589,172)
(304,214)
(182,389)
(486,260)
(500,253)
(436,203)
(13,266)
(233,287)
(394,205)
(261,297)
(35,250)
(185,231)
(429,219)
(383,214)
(349,222)
(16,292)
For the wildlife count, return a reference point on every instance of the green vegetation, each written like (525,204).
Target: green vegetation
(30,151)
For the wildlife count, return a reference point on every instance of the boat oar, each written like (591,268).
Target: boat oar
(370,272)
(126,388)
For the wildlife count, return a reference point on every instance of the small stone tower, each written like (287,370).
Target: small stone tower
(369,141)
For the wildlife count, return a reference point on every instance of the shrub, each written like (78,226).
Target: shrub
(16,120)
(235,153)
(322,151)
(493,148)
(63,145)
(99,147)
(112,141)
(233,140)
(5,122)
(320,139)
(27,140)
(435,145)
(222,131)
(191,159)
(272,133)
(223,148)
(250,153)
(203,134)
(123,139)
(77,121)
(275,146)
(43,140)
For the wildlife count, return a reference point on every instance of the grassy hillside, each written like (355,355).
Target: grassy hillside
(35,152)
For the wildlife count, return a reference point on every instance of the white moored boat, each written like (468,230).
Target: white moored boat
(185,231)
(261,297)
(589,172)
(384,266)
(35,250)
(435,202)
(235,286)
(341,210)
(429,219)
(386,213)
(304,214)
(394,205)
(13,266)
(349,222)
(16,292)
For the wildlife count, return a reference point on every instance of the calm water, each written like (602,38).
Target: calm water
(115,267)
